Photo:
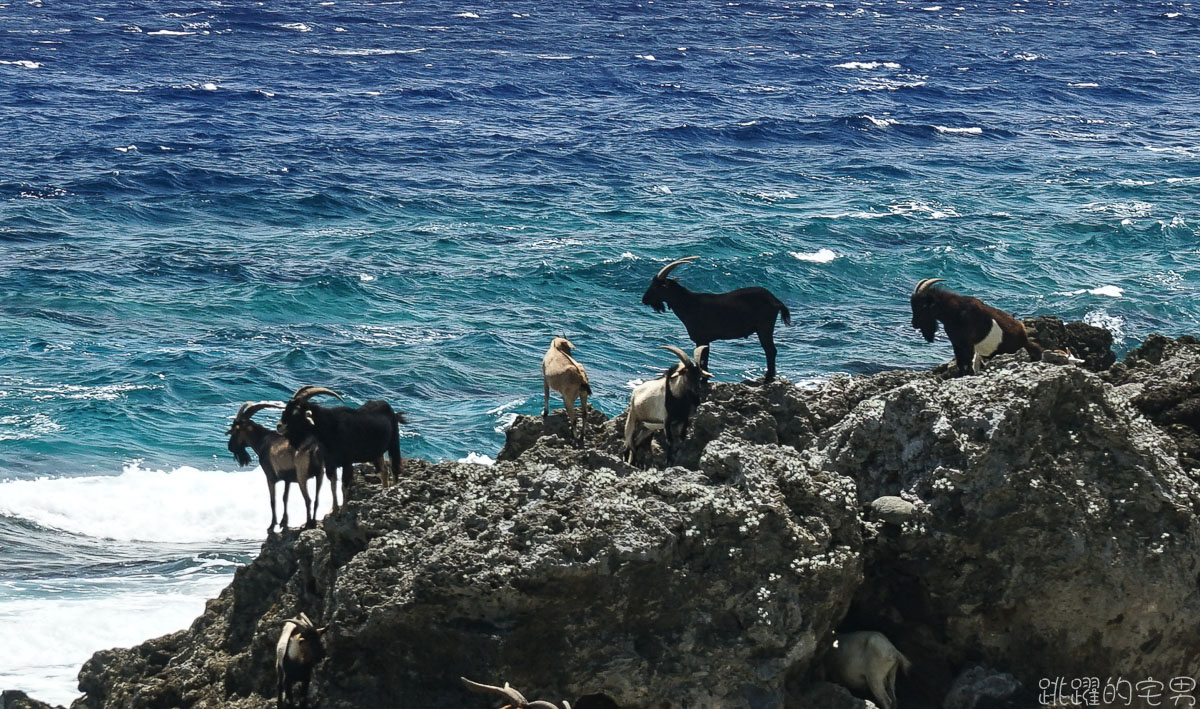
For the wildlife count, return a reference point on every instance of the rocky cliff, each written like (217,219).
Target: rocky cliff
(1036,521)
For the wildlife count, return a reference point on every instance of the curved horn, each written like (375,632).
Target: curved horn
(687,361)
(925,283)
(252,407)
(667,269)
(506,691)
(305,393)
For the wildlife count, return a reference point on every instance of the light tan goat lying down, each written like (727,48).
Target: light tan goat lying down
(564,375)
(868,660)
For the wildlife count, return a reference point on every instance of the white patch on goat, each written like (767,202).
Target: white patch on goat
(991,343)
(293,647)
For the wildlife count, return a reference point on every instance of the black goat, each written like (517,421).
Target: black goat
(976,330)
(666,403)
(348,435)
(298,649)
(280,460)
(719,316)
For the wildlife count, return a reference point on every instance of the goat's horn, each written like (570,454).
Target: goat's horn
(667,269)
(680,354)
(305,393)
(698,355)
(252,407)
(925,283)
(506,691)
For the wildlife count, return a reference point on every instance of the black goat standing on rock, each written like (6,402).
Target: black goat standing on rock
(347,435)
(719,316)
(976,330)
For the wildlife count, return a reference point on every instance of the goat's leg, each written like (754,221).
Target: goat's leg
(331,473)
(287,487)
(965,357)
(876,683)
(347,475)
(766,338)
(546,398)
(304,691)
(583,412)
(309,509)
(382,472)
(569,404)
(318,474)
(271,488)
(395,459)
(668,427)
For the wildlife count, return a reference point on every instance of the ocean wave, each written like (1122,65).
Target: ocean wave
(24,63)
(867,65)
(477,459)
(972,130)
(819,256)
(181,505)
(1110,291)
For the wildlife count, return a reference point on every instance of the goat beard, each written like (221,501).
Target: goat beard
(241,456)
(659,307)
(928,329)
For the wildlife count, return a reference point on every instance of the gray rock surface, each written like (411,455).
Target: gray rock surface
(1053,531)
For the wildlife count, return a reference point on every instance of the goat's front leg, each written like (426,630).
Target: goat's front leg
(545,398)
(271,489)
(766,338)
(287,486)
(382,471)
(965,357)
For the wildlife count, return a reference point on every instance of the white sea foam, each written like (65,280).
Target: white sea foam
(1084,85)
(973,130)
(505,421)
(661,189)
(297,26)
(209,86)
(625,256)
(169,33)
(48,638)
(1113,323)
(647,57)
(478,458)
(468,15)
(881,122)
(183,505)
(819,256)
(555,57)
(867,65)
(24,63)
(1131,209)
(1110,291)
(126,149)
(22,427)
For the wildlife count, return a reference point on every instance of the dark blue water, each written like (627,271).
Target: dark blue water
(202,204)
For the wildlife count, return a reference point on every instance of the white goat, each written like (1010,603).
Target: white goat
(564,375)
(665,403)
(868,660)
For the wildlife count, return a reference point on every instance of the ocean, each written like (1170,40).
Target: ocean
(211,202)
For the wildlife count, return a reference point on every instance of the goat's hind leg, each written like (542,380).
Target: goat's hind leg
(766,338)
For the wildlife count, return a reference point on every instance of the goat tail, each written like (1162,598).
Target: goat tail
(400,417)
(784,313)
(587,388)
(905,663)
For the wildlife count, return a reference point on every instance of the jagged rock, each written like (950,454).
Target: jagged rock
(984,688)
(1062,534)
(1053,532)
(525,431)
(826,695)
(13,699)
(1162,380)
(647,587)
(1087,342)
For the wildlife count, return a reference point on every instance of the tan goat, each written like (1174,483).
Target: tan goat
(564,375)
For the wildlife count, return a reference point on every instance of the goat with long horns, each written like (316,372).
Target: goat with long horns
(348,435)
(280,460)
(719,316)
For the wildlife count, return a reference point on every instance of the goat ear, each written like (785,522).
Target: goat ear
(322,629)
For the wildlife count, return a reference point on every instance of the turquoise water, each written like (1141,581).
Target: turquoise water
(202,205)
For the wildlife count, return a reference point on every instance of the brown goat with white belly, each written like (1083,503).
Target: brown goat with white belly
(976,330)
(566,376)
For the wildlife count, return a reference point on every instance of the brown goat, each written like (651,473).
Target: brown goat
(976,330)
(564,375)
